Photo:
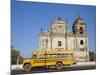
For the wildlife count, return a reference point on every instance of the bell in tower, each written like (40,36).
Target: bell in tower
(79,26)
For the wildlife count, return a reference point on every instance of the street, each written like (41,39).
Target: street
(53,69)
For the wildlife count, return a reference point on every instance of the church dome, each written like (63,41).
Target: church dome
(79,21)
(59,20)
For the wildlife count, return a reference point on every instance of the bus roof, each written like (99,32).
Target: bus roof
(52,51)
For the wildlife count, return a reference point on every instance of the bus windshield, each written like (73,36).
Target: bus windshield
(34,56)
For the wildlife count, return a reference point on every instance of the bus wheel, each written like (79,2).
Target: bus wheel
(74,63)
(59,66)
(27,67)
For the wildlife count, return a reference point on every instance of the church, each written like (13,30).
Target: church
(59,38)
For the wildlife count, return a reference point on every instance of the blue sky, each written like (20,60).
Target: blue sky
(29,17)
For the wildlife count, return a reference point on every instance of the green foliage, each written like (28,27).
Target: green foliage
(92,56)
(15,54)
(20,60)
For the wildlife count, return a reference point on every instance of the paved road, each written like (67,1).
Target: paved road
(43,69)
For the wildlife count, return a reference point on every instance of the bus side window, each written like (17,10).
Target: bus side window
(69,55)
(34,56)
(42,56)
(47,56)
(59,55)
(72,54)
(50,56)
(54,55)
(64,55)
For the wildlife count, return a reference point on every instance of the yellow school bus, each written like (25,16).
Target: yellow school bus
(48,58)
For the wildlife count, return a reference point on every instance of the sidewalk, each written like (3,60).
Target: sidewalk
(86,63)
(17,67)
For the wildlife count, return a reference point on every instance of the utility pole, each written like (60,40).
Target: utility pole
(17,60)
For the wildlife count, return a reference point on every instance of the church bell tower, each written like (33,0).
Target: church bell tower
(79,26)
(81,39)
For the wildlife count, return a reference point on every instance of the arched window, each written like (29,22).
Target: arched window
(81,30)
(81,42)
(59,43)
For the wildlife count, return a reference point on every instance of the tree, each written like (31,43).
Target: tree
(20,60)
(92,56)
(14,55)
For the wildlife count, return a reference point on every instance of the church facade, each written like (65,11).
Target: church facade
(60,38)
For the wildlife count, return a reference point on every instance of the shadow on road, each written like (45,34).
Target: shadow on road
(44,70)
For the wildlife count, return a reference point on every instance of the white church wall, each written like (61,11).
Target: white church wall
(55,43)
(49,43)
(82,55)
(42,43)
(70,43)
(79,46)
